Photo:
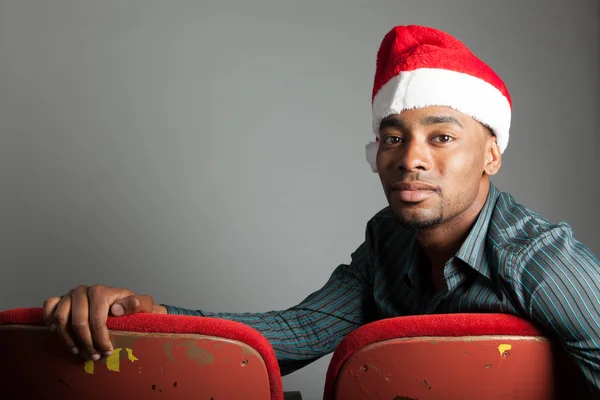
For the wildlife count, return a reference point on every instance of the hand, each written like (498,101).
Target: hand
(80,316)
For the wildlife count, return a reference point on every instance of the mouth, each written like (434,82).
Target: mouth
(413,192)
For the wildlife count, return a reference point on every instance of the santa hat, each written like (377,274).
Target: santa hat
(420,67)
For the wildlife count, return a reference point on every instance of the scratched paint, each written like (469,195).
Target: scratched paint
(112,361)
(504,347)
(198,354)
(168,346)
(371,365)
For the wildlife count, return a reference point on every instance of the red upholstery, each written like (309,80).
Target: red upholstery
(174,324)
(423,326)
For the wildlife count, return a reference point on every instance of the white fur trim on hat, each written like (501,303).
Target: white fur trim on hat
(426,87)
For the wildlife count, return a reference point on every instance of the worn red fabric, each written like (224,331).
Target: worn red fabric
(423,325)
(165,323)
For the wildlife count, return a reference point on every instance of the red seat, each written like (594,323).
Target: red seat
(156,356)
(452,356)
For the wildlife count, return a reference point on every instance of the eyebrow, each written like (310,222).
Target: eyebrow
(440,119)
(392,123)
(397,123)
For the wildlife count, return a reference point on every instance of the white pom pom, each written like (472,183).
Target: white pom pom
(371,152)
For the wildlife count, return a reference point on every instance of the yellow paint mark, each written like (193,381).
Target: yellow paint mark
(130,355)
(112,361)
(89,366)
(504,347)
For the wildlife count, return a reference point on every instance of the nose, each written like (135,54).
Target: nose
(414,156)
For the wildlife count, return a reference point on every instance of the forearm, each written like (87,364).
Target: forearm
(298,336)
(313,328)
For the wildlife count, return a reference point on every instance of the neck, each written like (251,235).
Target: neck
(443,241)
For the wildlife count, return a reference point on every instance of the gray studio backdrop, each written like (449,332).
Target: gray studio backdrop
(211,154)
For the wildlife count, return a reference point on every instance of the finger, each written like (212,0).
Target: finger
(48,310)
(100,298)
(80,322)
(62,317)
(132,305)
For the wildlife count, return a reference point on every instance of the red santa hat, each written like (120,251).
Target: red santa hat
(420,67)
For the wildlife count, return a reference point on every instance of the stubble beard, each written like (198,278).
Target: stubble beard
(422,223)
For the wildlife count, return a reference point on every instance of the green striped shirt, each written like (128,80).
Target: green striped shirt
(513,261)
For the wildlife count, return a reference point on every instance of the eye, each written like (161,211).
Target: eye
(444,139)
(392,139)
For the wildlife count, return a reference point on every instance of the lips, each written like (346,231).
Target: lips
(413,192)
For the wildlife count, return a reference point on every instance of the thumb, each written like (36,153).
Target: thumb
(132,305)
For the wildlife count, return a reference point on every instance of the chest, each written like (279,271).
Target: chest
(460,292)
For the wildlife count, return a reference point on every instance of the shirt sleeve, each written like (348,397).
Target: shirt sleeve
(564,282)
(313,328)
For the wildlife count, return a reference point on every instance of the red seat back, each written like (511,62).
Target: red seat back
(453,356)
(155,356)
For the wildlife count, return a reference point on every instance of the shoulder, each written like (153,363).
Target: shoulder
(541,256)
(555,258)
(525,234)
(515,228)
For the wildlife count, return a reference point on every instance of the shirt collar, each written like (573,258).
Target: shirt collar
(473,250)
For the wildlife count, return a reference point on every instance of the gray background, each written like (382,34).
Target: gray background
(212,153)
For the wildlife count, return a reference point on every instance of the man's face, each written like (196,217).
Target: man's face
(432,163)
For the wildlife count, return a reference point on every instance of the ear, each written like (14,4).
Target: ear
(493,157)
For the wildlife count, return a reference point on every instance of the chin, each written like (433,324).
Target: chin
(418,219)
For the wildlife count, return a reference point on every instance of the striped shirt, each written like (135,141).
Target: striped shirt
(513,261)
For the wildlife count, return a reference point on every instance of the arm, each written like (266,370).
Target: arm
(313,328)
(563,278)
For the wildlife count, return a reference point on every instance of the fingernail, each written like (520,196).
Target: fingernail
(107,353)
(74,350)
(118,310)
(95,357)
(52,327)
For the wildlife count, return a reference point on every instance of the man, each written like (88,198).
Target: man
(449,241)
